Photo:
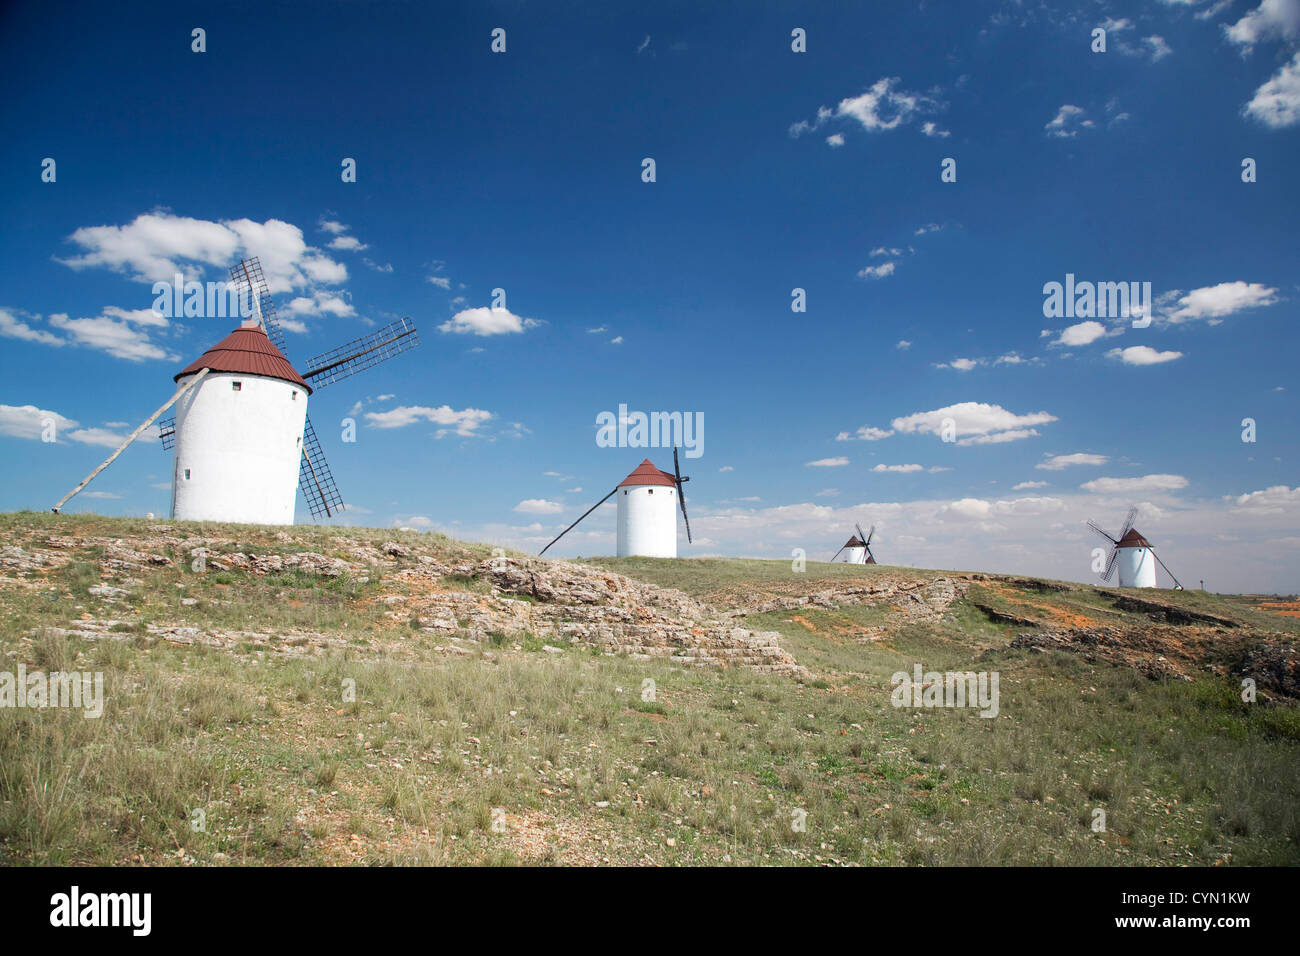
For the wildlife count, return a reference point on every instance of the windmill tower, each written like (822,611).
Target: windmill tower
(1133,555)
(857,550)
(648,500)
(243,441)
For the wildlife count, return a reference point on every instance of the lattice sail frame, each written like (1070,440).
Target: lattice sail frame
(363,353)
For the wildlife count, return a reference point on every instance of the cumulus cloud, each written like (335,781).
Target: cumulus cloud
(884,106)
(898,468)
(154,247)
(121,333)
(1143,355)
(865,433)
(487,321)
(979,422)
(828,463)
(1068,121)
(539,506)
(1277,102)
(1058,462)
(1083,333)
(1128,486)
(876,272)
(31,422)
(1214,303)
(1272,19)
(1278,499)
(13,327)
(1026,485)
(465,422)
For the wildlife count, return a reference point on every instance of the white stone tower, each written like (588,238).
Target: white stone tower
(1136,560)
(239,433)
(647,513)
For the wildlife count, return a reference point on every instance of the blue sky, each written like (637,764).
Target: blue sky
(775,170)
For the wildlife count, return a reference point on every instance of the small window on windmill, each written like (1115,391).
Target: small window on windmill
(236,386)
(650,490)
(294,393)
(187,474)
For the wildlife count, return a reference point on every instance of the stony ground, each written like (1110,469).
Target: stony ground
(329,695)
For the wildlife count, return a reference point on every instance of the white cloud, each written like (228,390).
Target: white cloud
(348,244)
(1157,46)
(1067,122)
(828,463)
(442,282)
(865,433)
(597,330)
(927,228)
(1059,462)
(1278,499)
(1000,438)
(616,340)
(1026,485)
(465,422)
(1272,19)
(318,303)
(487,321)
(835,140)
(961,364)
(903,469)
(1128,486)
(117,332)
(903,344)
(984,423)
(969,508)
(1277,102)
(28,421)
(333,227)
(154,247)
(1142,355)
(932,130)
(885,106)
(876,272)
(727,468)
(13,327)
(1216,301)
(539,506)
(1083,333)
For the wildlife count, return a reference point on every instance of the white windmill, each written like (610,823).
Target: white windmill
(648,500)
(1133,554)
(857,550)
(243,441)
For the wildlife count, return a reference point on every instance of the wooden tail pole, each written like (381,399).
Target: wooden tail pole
(132,437)
(575,524)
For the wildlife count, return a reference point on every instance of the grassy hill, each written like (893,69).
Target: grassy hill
(502,710)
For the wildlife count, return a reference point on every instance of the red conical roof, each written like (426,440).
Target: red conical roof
(246,350)
(647,474)
(1133,540)
(853,542)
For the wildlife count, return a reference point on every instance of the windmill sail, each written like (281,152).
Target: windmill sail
(315,478)
(363,353)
